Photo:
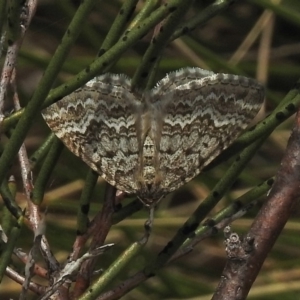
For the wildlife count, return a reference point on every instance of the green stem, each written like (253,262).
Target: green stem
(203,209)
(118,25)
(42,151)
(8,194)
(13,20)
(145,11)
(158,43)
(46,170)
(239,203)
(84,202)
(289,13)
(36,102)
(205,15)
(119,264)
(97,66)
(9,247)
(2,21)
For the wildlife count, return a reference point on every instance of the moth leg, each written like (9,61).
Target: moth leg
(148,226)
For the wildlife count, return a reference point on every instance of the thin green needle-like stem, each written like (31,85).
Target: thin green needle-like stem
(88,32)
(13,237)
(119,264)
(201,212)
(100,64)
(285,11)
(158,43)
(46,170)
(118,25)
(42,151)
(2,20)
(108,57)
(203,16)
(84,202)
(145,11)
(43,88)
(127,211)
(14,27)
(241,203)
(8,194)
(152,73)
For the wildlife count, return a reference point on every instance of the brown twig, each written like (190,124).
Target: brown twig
(37,269)
(243,267)
(13,51)
(99,229)
(34,214)
(38,289)
(34,217)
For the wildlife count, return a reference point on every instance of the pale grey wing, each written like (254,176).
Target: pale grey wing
(201,119)
(177,78)
(98,124)
(109,80)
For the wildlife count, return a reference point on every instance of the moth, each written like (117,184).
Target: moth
(150,143)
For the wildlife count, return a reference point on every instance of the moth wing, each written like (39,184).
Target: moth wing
(98,123)
(200,119)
